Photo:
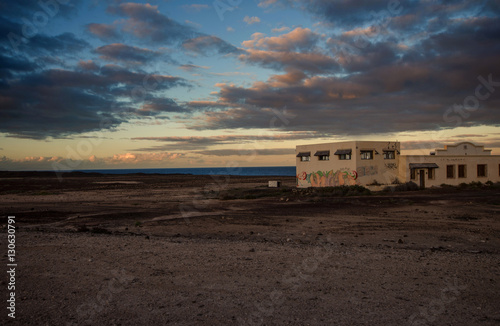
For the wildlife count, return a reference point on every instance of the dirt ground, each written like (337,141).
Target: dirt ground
(201,250)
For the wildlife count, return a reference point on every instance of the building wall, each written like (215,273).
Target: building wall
(464,148)
(358,171)
(470,162)
(336,172)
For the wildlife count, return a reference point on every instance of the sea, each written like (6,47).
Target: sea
(241,171)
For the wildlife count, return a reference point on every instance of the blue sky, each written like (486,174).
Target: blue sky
(115,84)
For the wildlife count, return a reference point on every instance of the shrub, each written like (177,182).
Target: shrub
(408,186)
(396,181)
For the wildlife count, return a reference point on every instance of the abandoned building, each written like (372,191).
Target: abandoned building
(381,163)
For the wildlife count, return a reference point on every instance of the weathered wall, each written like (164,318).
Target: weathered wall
(492,163)
(335,172)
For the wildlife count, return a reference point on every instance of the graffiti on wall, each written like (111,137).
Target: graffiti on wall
(367,170)
(391,166)
(328,178)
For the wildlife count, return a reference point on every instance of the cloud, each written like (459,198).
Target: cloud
(294,50)
(198,142)
(207,45)
(88,65)
(57,163)
(280,29)
(60,103)
(147,24)
(300,39)
(196,7)
(104,31)
(248,152)
(193,23)
(126,53)
(309,62)
(230,29)
(191,67)
(251,20)
(267,3)
(156,106)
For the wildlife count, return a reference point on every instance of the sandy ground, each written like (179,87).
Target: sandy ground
(176,250)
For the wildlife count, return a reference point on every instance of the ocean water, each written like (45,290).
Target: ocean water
(242,171)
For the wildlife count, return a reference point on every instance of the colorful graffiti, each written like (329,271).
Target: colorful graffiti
(327,178)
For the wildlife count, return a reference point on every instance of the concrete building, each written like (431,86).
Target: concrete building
(374,162)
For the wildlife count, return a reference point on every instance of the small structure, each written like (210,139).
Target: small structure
(274,184)
(381,163)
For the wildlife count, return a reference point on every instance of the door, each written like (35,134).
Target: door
(422,178)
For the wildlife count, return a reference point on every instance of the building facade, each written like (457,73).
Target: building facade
(374,163)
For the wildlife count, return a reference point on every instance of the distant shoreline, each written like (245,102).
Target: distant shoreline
(233,171)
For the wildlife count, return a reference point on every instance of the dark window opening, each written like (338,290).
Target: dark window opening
(450,171)
(481,170)
(430,174)
(366,155)
(462,171)
(389,155)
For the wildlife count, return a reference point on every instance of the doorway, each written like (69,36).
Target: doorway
(422,179)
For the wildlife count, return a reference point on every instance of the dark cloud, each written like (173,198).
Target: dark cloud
(156,106)
(197,142)
(147,24)
(58,103)
(191,67)
(126,53)
(383,74)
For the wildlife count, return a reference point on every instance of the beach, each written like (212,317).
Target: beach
(138,249)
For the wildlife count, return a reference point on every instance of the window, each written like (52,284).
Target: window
(389,155)
(481,170)
(450,171)
(430,174)
(412,174)
(367,155)
(344,154)
(323,155)
(462,171)
(304,156)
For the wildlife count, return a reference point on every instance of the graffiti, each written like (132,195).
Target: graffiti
(391,166)
(328,178)
(367,170)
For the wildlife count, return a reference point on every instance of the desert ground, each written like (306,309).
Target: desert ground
(203,250)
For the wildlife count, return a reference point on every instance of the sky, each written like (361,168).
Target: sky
(168,84)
